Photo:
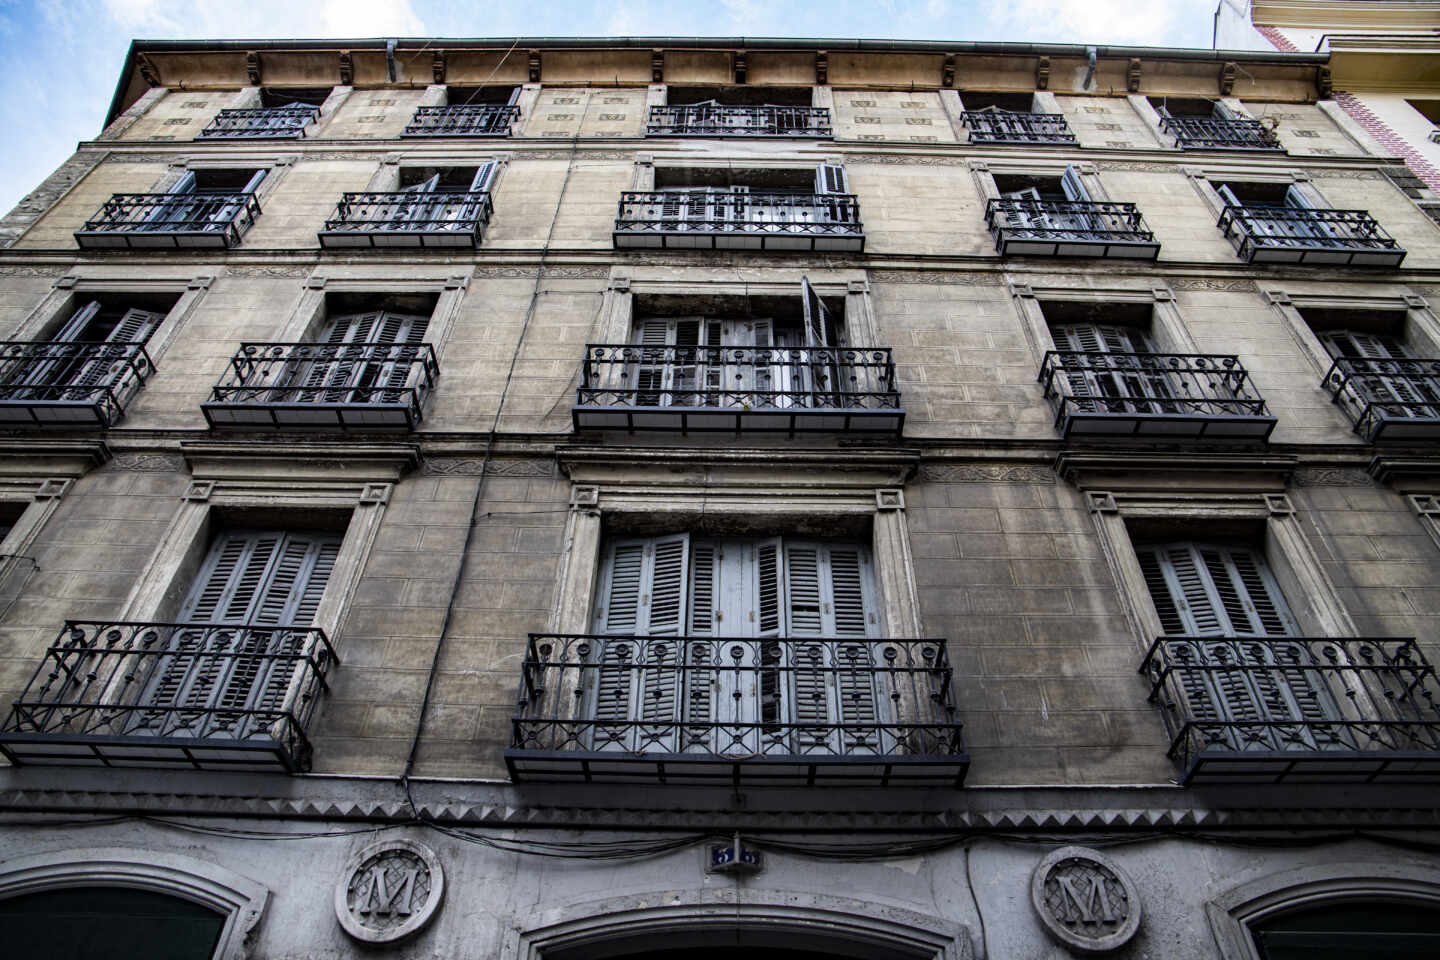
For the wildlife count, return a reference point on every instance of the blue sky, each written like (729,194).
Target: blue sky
(64,56)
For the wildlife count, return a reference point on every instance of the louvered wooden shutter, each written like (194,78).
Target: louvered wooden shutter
(701,678)
(1073,186)
(830,178)
(644,596)
(817,318)
(1384,383)
(248,579)
(1295,197)
(1226,591)
(1087,377)
(1221,112)
(112,366)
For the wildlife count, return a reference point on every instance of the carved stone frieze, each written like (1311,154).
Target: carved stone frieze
(1212,283)
(278,272)
(148,463)
(953,277)
(499,467)
(905,160)
(1134,166)
(551,273)
(1332,477)
(985,473)
(31,271)
(1324,174)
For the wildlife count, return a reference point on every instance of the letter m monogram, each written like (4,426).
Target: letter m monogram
(1093,897)
(381,900)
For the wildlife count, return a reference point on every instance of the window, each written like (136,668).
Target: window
(1011,118)
(1200,124)
(1351,927)
(1377,374)
(204,197)
(116,922)
(1061,214)
(484,111)
(87,369)
(676,585)
(739,208)
(739,111)
(444,206)
(206,207)
(269,114)
(232,673)
(364,363)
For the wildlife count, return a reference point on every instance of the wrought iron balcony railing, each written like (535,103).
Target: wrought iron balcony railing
(722,220)
(1070,228)
(1208,133)
(736,711)
(738,389)
(67,383)
(1297,709)
(1277,234)
(712,120)
(1388,399)
(169,221)
(991,126)
(1153,396)
(346,386)
(408,220)
(265,123)
(463,120)
(208,696)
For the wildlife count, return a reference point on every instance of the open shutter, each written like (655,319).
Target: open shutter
(821,371)
(111,366)
(1073,186)
(1227,196)
(830,178)
(1295,197)
(48,369)
(1384,383)
(484,175)
(619,617)
(1026,213)
(817,318)
(810,694)
(392,367)
(1223,113)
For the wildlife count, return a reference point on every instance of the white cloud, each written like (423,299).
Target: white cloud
(226,19)
(1086,21)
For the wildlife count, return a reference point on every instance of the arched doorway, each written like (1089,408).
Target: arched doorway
(119,923)
(1350,929)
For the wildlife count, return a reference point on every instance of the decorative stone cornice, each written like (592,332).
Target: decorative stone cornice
(251,460)
(1406,473)
(1131,471)
(50,458)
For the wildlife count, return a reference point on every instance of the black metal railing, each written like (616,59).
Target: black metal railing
(1069,228)
(1388,399)
(324,385)
(1208,133)
(1277,234)
(692,709)
(991,126)
(1297,708)
(171,694)
(1163,395)
(263,123)
(714,120)
(399,219)
(739,221)
(463,120)
(167,221)
(741,389)
(68,383)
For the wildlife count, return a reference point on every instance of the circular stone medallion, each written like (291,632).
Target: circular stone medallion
(1085,900)
(389,891)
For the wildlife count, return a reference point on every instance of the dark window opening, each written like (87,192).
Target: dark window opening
(489,95)
(286,97)
(1008,102)
(422,304)
(1014,185)
(222,181)
(739,96)
(9,516)
(93,319)
(1184,106)
(446,179)
(800,181)
(1430,109)
(118,923)
(1348,930)
(1255,194)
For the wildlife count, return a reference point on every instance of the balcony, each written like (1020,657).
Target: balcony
(713,120)
(1388,399)
(269,123)
(1348,238)
(1209,133)
(170,221)
(407,220)
(736,712)
(1297,710)
(324,386)
(1069,228)
(1154,396)
(738,390)
(464,120)
(69,384)
(719,220)
(991,126)
(195,696)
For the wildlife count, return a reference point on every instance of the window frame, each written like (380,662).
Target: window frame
(1421,330)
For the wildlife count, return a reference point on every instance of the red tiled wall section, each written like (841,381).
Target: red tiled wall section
(1389,139)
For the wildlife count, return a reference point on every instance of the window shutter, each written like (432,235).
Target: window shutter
(1295,197)
(77,323)
(111,366)
(645,596)
(392,368)
(51,367)
(484,174)
(186,183)
(669,567)
(1227,196)
(817,318)
(1028,215)
(830,178)
(1221,112)
(253,183)
(1073,186)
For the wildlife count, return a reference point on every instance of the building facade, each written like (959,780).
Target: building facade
(591,498)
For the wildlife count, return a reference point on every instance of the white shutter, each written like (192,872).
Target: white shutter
(1073,186)
(1221,112)
(830,178)
(1295,197)
(1228,196)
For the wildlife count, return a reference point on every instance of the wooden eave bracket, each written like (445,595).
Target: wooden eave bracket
(148,73)
(740,67)
(1132,75)
(437,66)
(347,69)
(822,67)
(1324,82)
(1042,73)
(534,64)
(657,66)
(252,67)
(947,75)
